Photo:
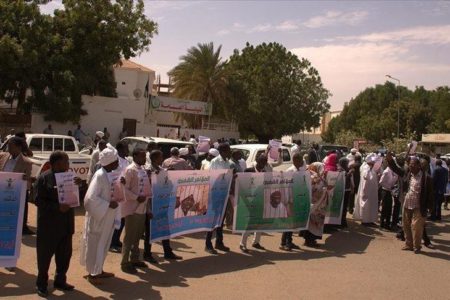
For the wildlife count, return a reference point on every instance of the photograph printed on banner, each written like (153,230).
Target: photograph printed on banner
(278,203)
(191,200)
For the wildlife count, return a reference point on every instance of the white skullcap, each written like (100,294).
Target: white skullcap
(214,152)
(371,158)
(184,151)
(354,150)
(100,134)
(108,156)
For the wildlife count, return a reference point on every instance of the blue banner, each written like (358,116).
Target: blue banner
(12,200)
(188,201)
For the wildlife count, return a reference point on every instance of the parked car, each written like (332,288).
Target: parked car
(252,151)
(163,144)
(43,145)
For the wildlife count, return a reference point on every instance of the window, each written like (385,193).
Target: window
(69,146)
(36,144)
(286,155)
(48,144)
(58,144)
(259,153)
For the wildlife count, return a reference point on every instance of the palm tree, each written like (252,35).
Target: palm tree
(201,76)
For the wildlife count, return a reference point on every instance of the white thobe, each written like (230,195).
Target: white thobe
(99,223)
(366,201)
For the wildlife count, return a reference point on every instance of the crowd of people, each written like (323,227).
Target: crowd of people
(406,190)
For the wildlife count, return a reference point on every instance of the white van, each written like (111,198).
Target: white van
(252,151)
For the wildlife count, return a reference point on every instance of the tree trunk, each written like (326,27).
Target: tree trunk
(21,97)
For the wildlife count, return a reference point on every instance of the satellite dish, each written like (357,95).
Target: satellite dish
(137,93)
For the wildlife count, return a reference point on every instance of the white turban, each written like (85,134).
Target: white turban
(371,158)
(214,152)
(184,151)
(108,156)
(100,134)
(354,150)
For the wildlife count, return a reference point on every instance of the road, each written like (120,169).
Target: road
(356,263)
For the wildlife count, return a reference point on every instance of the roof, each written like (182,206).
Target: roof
(131,65)
(157,140)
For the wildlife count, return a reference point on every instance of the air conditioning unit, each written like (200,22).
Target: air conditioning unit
(137,93)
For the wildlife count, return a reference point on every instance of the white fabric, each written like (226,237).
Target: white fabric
(99,223)
(100,134)
(243,164)
(108,156)
(388,179)
(205,165)
(219,163)
(184,151)
(214,152)
(366,201)
(93,164)
(295,149)
(245,235)
(371,158)
(10,164)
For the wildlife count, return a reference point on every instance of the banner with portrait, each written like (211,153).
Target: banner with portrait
(273,201)
(188,201)
(12,200)
(335,194)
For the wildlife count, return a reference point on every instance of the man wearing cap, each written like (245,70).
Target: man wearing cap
(175,162)
(366,202)
(101,211)
(212,153)
(351,156)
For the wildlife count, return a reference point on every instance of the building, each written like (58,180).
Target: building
(134,110)
(436,143)
(314,135)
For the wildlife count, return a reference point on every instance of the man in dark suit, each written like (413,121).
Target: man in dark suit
(440,179)
(313,154)
(55,227)
(14,161)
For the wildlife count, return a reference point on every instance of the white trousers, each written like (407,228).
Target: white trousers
(256,238)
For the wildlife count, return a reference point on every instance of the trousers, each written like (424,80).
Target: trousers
(413,226)
(148,245)
(134,228)
(286,238)
(256,238)
(46,247)
(386,208)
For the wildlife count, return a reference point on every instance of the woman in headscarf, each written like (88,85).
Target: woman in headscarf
(331,162)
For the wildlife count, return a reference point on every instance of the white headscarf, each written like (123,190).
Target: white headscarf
(100,134)
(108,156)
(371,158)
(214,152)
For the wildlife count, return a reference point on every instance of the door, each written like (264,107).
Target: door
(130,126)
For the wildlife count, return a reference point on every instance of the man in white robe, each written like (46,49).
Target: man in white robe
(366,201)
(101,213)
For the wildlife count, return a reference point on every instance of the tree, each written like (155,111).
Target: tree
(71,53)
(274,92)
(372,114)
(201,76)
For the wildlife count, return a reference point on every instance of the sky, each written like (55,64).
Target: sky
(353,44)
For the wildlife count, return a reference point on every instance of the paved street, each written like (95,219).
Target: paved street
(358,263)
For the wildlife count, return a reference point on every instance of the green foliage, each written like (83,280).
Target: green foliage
(201,76)
(346,138)
(372,114)
(71,53)
(273,92)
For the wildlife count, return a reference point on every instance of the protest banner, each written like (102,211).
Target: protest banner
(68,192)
(203,144)
(12,200)
(274,154)
(273,201)
(188,201)
(335,191)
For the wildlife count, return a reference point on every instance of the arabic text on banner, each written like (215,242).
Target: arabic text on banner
(275,201)
(67,189)
(12,200)
(188,201)
(335,191)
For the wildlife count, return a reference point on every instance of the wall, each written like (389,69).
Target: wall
(133,79)
(102,112)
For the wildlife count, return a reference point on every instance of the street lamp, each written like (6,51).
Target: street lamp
(398,105)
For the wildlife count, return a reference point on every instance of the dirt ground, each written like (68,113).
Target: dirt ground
(356,263)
